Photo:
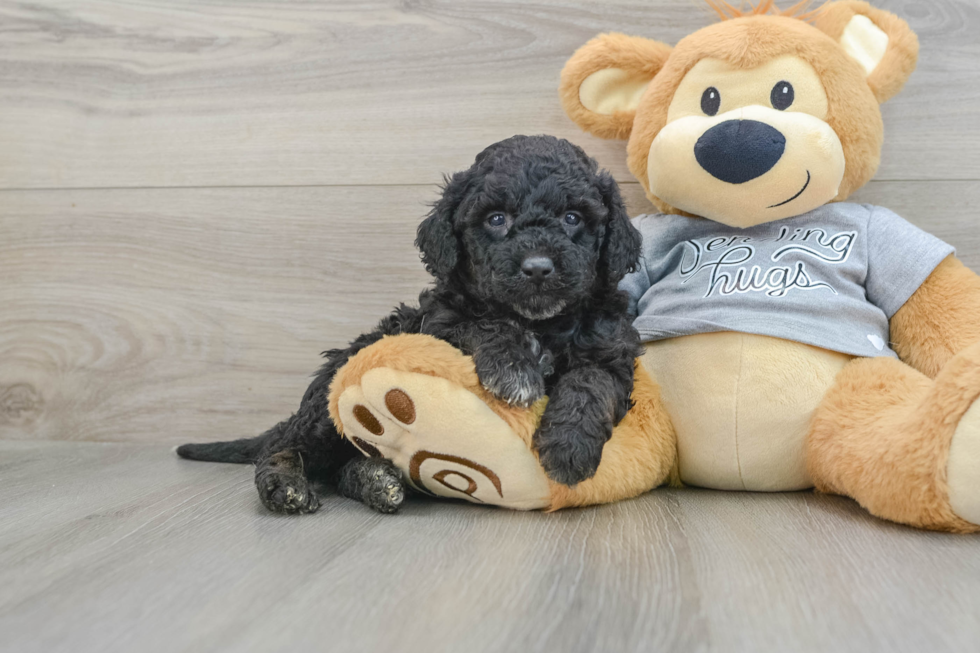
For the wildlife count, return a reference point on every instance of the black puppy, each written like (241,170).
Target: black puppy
(527,248)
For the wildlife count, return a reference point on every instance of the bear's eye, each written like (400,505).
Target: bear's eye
(710,101)
(497,220)
(782,96)
(572,219)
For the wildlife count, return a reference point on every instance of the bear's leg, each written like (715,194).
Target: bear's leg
(904,446)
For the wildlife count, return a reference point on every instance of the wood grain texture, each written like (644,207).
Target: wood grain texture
(113,547)
(162,314)
(245,92)
(171,315)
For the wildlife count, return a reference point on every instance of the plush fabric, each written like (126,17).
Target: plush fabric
(940,319)
(424,425)
(963,468)
(748,43)
(901,53)
(741,405)
(608,90)
(695,163)
(728,409)
(640,59)
(422,354)
(882,436)
(830,278)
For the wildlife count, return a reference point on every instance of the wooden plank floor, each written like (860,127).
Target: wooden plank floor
(124,547)
(247,92)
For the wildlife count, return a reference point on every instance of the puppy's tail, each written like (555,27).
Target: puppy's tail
(242,451)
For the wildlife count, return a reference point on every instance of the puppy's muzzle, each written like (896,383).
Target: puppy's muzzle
(537,268)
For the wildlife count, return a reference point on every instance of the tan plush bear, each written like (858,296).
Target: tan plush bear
(793,340)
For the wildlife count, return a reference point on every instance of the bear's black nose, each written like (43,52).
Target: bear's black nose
(537,267)
(737,151)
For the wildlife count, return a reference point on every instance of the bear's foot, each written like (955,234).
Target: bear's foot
(444,439)
(963,467)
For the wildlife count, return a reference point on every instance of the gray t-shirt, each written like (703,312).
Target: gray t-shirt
(832,277)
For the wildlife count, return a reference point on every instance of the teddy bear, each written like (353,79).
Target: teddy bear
(793,339)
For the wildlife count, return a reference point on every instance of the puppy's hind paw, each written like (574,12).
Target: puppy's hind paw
(374,482)
(286,493)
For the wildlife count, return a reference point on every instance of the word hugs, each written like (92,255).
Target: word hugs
(775,266)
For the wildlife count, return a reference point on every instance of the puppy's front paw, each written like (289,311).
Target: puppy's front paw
(442,440)
(567,455)
(283,487)
(544,358)
(519,383)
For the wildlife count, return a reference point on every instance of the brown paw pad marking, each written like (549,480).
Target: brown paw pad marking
(440,477)
(415,473)
(400,405)
(367,448)
(367,420)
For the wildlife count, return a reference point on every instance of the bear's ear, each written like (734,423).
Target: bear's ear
(601,85)
(884,44)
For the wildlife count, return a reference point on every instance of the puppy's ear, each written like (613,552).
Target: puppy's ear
(436,239)
(621,248)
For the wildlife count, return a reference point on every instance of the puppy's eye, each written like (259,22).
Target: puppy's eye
(710,101)
(572,219)
(782,96)
(497,220)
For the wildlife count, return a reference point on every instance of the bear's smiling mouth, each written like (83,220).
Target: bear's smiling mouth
(794,196)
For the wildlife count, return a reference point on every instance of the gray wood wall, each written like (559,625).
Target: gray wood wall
(197,198)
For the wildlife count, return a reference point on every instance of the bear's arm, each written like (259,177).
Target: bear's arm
(940,319)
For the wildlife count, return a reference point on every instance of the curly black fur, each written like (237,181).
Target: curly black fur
(527,247)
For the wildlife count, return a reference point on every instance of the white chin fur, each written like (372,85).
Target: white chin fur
(541,314)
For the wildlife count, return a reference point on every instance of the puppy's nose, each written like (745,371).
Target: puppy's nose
(738,151)
(537,267)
